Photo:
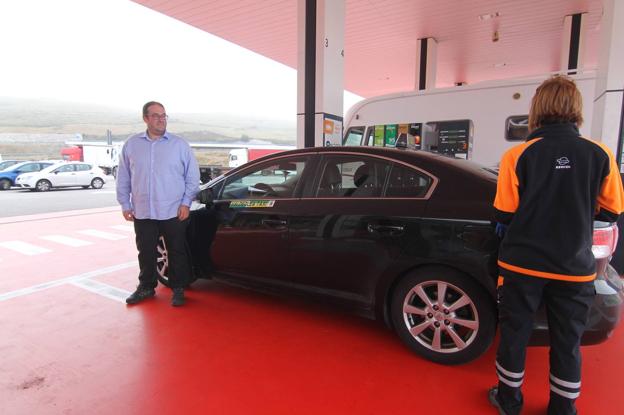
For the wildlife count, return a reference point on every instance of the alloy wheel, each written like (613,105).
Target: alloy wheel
(43,185)
(440,316)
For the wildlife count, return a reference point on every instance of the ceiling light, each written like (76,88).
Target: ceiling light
(488,16)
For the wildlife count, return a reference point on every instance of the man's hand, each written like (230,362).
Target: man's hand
(183,212)
(128,215)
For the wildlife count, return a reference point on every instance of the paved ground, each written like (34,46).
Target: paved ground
(69,344)
(17,201)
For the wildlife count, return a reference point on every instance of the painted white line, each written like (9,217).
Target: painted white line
(24,247)
(103,235)
(125,228)
(102,289)
(66,240)
(54,215)
(67,280)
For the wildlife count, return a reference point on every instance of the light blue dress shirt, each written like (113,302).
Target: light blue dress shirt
(155,177)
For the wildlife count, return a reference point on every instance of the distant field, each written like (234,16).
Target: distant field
(92,121)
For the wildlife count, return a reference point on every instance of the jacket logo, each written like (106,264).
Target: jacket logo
(563,163)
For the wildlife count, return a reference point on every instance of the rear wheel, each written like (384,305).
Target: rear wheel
(43,186)
(5,184)
(443,315)
(97,183)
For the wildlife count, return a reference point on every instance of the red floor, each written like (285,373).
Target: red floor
(65,350)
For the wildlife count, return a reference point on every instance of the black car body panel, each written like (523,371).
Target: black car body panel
(297,236)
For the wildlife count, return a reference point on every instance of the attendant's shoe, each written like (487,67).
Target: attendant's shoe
(178,297)
(492,397)
(140,294)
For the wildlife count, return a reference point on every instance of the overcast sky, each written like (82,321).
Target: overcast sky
(118,53)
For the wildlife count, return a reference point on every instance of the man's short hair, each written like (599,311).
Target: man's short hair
(556,100)
(149,104)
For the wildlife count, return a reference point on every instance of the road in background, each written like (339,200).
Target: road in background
(18,202)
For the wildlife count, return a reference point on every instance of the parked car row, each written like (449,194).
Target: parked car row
(47,174)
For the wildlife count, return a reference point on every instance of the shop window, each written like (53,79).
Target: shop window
(354,136)
(517,128)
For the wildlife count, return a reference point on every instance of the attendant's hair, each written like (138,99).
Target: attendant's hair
(556,100)
(149,104)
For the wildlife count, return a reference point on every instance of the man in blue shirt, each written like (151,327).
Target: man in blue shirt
(158,177)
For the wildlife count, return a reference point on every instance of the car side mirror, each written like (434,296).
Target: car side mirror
(205,196)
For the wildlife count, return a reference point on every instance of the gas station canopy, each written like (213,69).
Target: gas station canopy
(477,40)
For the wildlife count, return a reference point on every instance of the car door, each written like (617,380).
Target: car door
(84,175)
(253,211)
(357,225)
(62,176)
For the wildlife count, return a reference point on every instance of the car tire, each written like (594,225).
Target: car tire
(115,172)
(43,185)
(162,265)
(454,331)
(97,183)
(5,184)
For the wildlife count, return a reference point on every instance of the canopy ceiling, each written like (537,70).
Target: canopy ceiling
(381,36)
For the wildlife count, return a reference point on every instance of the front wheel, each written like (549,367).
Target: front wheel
(443,315)
(43,186)
(5,184)
(162,264)
(97,183)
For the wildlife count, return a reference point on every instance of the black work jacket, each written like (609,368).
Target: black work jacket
(550,189)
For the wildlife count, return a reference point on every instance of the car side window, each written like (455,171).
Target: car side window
(352,176)
(64,169)
(272,180)
(26,168)
(83,167)
(405,181)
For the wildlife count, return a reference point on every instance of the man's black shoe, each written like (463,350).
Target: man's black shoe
(140,294)
(492,393)
(178,297)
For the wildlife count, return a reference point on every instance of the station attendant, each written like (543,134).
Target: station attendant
(550,190)
(158,177)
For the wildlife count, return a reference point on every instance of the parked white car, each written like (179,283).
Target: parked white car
(63,174)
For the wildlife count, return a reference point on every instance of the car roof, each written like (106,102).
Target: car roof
(424,159)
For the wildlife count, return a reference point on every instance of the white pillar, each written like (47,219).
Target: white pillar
(426,63)
(573,43)
(320,72)
(608,101)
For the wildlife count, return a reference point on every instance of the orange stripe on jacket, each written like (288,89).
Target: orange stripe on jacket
(507,196)
(611,196)
(549,275)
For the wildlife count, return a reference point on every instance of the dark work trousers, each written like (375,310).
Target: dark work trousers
(174,232)
(567,307)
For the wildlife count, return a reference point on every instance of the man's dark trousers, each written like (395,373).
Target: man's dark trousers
(174,231)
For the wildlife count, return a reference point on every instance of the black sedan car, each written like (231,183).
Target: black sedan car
(405,237)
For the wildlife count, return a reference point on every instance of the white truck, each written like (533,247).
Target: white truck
(477,122)
(103,155)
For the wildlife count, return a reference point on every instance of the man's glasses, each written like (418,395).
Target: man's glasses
(158,116)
